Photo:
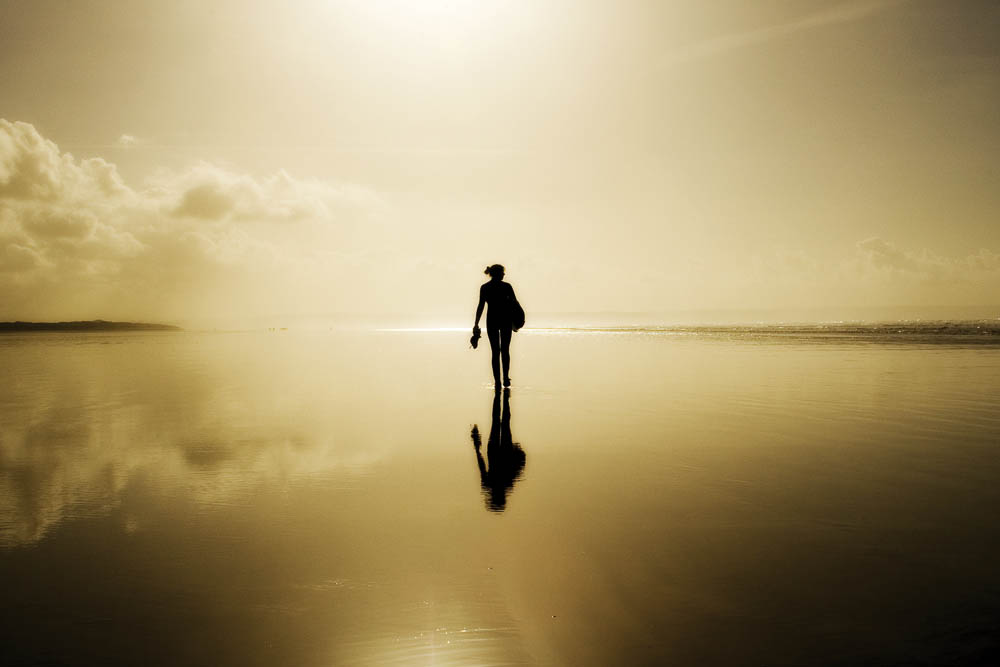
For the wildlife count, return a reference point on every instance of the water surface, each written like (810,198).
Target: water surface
(710,497)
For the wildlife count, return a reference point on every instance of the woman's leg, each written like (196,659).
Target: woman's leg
(493,333)
(505,335)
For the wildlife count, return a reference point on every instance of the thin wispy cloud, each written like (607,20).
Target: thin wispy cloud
(844,13)
(126,141)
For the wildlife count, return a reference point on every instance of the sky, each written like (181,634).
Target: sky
(258,161)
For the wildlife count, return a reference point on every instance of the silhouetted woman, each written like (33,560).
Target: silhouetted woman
(499,320)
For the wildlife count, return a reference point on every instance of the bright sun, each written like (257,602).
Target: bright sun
(433,18)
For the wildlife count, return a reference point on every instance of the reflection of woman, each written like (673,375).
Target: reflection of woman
(505,457)
(499,320)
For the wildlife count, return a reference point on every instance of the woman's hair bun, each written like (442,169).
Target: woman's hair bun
(487,271)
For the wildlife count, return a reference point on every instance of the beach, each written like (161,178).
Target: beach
(710,497)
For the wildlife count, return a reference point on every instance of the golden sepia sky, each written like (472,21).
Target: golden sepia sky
(237,161)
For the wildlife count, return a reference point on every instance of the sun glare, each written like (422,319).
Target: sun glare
(432,18)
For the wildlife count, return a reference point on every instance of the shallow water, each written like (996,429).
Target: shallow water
(685,497)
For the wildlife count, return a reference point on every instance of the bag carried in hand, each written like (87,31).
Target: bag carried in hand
(516,316)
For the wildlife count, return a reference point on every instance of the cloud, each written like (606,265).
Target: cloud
(843,13)
(16,257)
(33,168)
(206,200)
(211,193)
(126,141)
(885,257)
(77,242)
(877,273)
(209,245)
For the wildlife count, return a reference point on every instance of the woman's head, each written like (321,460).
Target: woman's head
(495,271)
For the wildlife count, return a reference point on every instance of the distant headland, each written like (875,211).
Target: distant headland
(85,326)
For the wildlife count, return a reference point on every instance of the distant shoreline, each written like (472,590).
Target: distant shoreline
(84,326)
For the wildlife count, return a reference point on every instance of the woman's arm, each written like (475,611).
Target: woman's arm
(479,308)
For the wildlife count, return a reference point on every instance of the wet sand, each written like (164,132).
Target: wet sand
(316,498)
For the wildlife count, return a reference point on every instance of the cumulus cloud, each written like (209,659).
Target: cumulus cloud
(77,242)
(33,168)
(211,193)
(206,200)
